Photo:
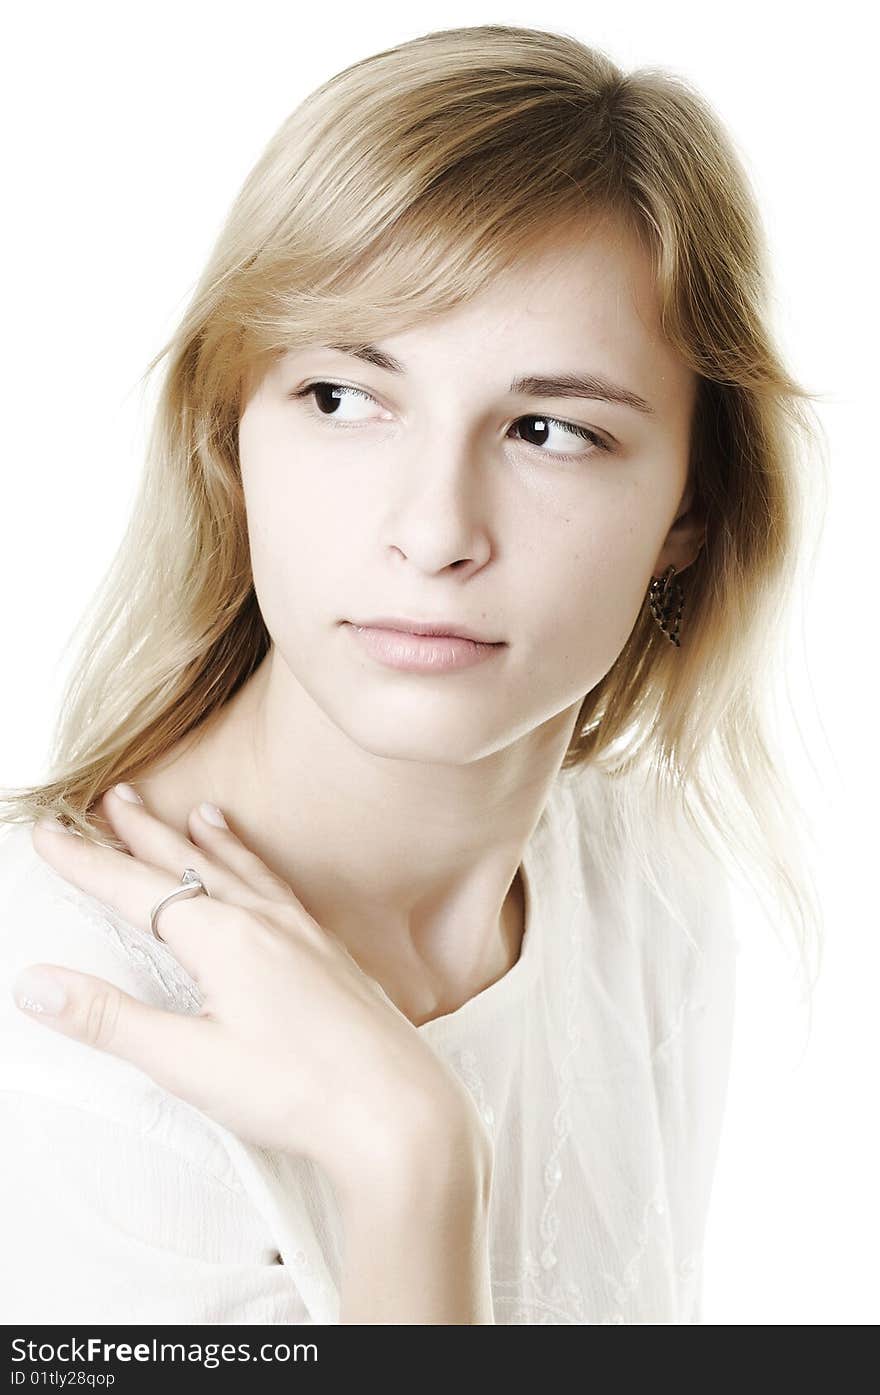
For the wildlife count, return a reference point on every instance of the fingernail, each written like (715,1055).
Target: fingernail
(129,793)
(39,992)
(53,824)
(212,814)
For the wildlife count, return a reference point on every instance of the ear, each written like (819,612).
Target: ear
(685,538)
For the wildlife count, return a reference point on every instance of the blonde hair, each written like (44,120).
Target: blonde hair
(397,190)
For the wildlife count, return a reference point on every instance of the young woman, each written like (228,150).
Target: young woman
(473,503)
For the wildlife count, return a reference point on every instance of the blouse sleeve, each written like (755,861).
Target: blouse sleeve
(118,1202)
(692,1062)
(101,1223)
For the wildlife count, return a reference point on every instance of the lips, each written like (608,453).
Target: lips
(448,629)
(420,653)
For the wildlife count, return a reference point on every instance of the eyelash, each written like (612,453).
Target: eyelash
(580,431)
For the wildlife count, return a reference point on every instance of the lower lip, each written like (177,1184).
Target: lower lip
(423,653)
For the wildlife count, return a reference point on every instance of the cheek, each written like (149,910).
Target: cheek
(288,495)
(297,543)
(292,500)
(590,590)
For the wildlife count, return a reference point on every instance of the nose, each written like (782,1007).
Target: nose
(441,514)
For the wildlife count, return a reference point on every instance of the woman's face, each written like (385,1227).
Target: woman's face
(437,493)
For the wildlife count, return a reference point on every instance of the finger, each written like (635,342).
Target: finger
(227,849)
(190,925)
(152,840)
(249,880)
(168,1046)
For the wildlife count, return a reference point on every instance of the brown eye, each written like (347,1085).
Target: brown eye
(544,425)
(327,396)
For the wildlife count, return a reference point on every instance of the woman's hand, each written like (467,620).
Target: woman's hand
(295,1047)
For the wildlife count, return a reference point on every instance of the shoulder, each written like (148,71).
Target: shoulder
(44,917)
(658,889)
(650,853)
(47,920)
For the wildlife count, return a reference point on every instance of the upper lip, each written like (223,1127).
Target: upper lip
(451,628)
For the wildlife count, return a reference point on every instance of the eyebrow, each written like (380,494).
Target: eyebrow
(594,386)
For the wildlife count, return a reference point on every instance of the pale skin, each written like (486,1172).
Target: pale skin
(378,818)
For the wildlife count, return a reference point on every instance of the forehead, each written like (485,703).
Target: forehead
(582,299)
(580,267)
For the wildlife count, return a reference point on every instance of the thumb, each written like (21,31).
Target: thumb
(97,1013)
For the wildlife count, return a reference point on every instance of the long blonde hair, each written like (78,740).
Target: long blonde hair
(397,190)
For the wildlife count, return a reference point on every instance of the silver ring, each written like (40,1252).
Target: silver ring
(191,884)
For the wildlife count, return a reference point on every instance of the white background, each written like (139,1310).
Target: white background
(129,129)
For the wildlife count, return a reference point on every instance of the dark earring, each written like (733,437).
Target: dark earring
(667,598)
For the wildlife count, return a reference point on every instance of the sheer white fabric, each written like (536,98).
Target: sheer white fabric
(599,1063)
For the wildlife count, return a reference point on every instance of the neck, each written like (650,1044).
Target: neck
(413,864)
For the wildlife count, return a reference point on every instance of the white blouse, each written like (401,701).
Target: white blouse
(599,1063)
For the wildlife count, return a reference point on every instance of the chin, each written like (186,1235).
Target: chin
(421,737)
